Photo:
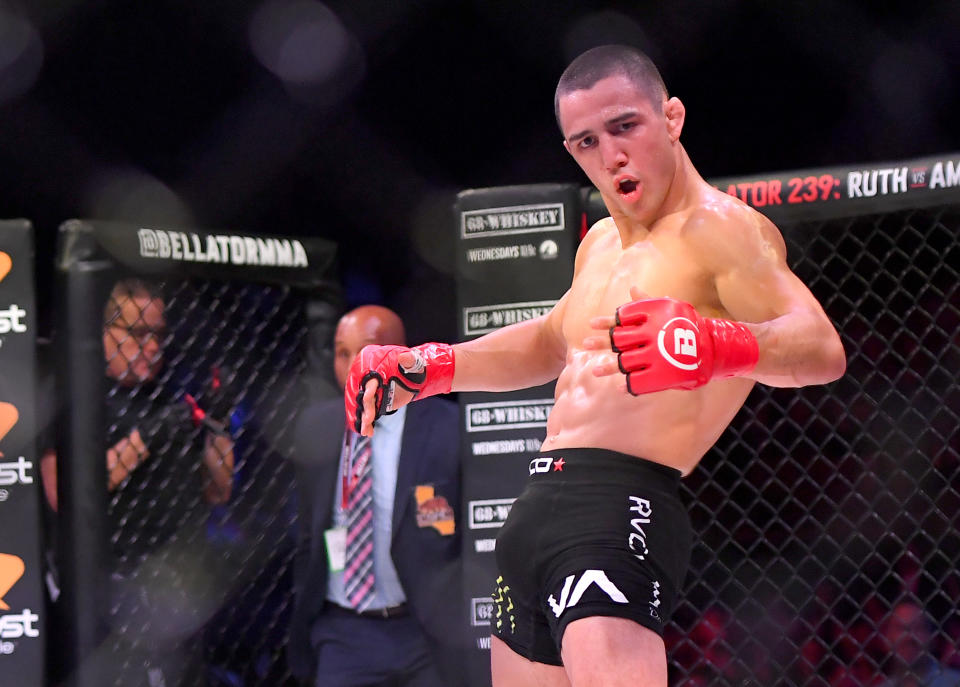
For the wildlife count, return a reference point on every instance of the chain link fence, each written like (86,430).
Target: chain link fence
(205,380)
(828,547)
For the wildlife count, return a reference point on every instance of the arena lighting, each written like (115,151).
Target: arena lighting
(299,41)
(132,194)
(21,55)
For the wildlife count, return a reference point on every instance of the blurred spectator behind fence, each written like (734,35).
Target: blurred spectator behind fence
(164,471)
(908,634)
(406,632)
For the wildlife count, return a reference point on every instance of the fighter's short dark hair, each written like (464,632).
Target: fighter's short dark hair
(608,60)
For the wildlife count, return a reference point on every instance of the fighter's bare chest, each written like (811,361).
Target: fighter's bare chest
(658,269)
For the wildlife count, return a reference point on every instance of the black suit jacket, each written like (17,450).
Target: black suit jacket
(427,562)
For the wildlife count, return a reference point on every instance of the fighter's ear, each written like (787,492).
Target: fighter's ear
(675,114)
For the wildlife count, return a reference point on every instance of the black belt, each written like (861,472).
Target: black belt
(383,613)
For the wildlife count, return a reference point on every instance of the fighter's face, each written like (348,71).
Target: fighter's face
(133,342)
(624,143)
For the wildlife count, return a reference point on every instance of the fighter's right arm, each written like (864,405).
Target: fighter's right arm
(528,353)
(521,355)
(383,379)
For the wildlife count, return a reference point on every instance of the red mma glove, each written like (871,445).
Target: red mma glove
(431,373)
(662,343)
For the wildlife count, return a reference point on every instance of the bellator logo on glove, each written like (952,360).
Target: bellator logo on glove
(690,350)
(683,353)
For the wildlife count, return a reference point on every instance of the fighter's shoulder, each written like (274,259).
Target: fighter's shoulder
(602,231)
(723,226)
(603,227)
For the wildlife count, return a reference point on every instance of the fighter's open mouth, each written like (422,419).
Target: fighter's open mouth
(627,186)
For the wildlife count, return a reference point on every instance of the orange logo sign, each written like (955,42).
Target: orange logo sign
(8,418)
(11,570)
(433,510)
(5,264)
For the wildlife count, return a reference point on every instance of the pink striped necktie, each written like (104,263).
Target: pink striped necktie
(358,581)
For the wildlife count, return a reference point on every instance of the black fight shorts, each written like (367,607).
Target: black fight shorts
(595,533)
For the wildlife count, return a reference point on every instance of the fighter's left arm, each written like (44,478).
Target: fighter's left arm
(798,344)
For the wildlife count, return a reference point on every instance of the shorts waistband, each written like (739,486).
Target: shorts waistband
(586,464)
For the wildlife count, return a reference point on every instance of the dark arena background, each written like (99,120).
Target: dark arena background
(265,165)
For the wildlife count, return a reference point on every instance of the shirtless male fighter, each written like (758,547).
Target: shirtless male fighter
(681,300)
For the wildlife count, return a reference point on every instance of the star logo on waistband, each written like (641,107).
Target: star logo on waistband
(558,465)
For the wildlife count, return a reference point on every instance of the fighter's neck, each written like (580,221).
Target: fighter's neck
(685,192)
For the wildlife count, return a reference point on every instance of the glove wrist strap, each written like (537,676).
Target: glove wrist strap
(439,363)
(735,348)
